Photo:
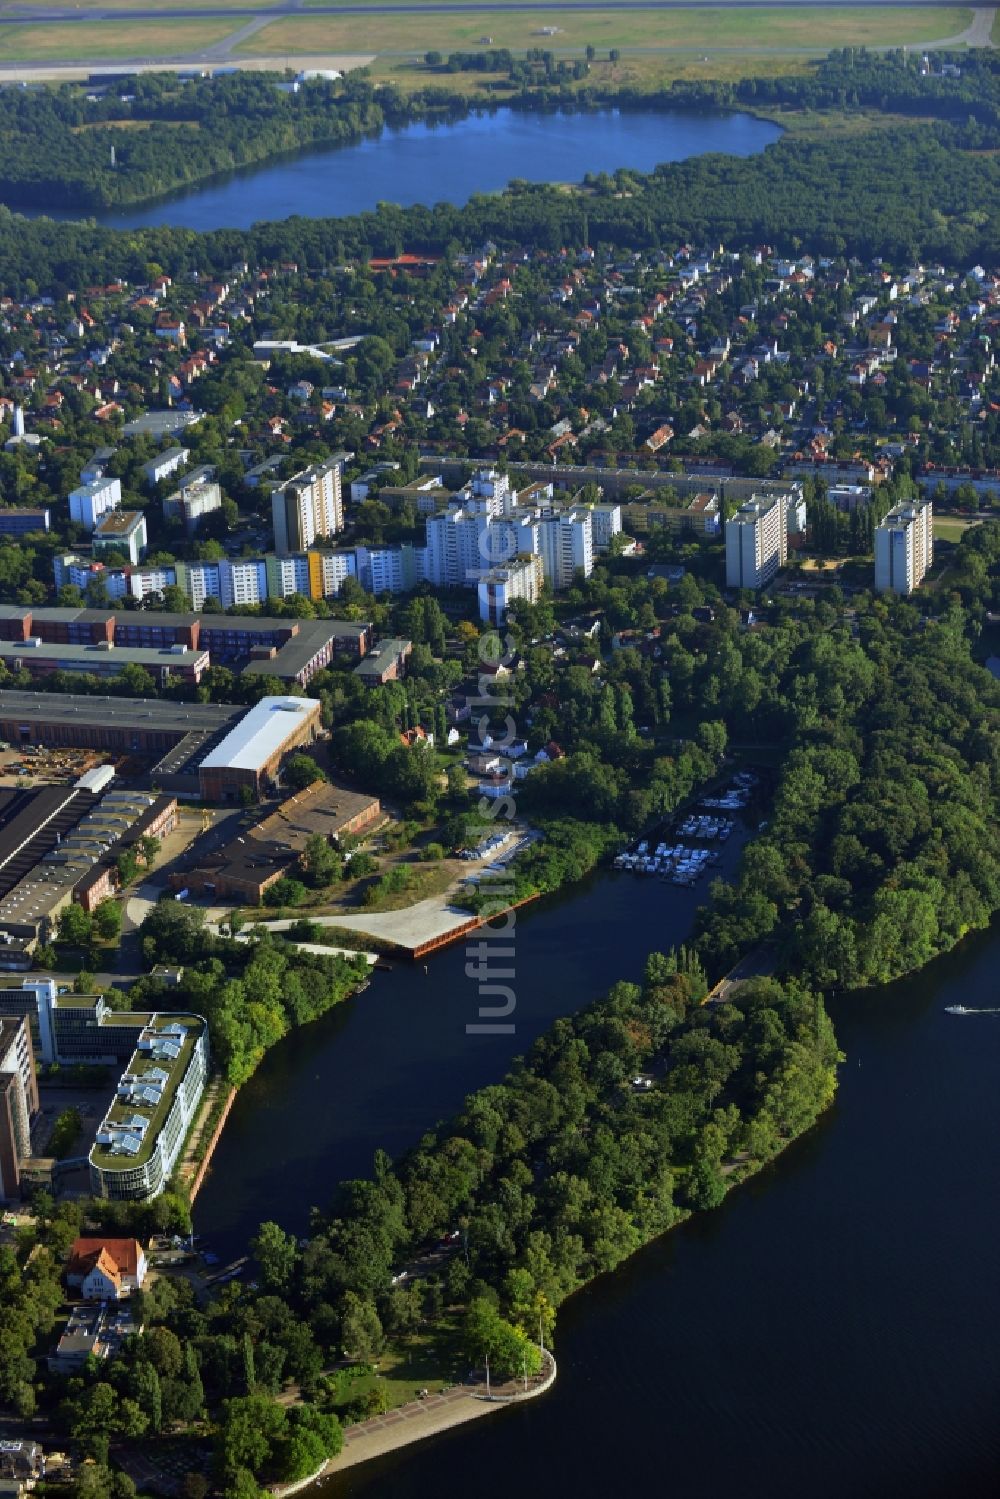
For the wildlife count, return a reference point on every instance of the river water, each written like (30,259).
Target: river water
(830,1331)
(446,162)
(384,1067)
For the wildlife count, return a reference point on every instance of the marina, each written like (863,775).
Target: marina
(684,863)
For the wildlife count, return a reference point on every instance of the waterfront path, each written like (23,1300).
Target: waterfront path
(409,928)
(757,964)
(426,1418)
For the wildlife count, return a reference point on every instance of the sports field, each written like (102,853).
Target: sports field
(808,30)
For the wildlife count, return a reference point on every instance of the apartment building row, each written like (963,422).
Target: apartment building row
(487,525)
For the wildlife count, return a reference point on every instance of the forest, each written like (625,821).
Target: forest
(882,848)
(98,147)
(940,201)
(250,993)
(543,1181)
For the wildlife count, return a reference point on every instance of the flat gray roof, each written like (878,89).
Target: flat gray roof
(295,654)
(382,656)
(93,655)
(119,712)
(261,734)
(161,423)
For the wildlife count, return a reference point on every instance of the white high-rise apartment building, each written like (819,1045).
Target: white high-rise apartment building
(391,569)
(498,588)
(90,501)
(458,544)
(336,567)
(494,488)
(756,542)
(288,575)
(242,583)
(309,507)
(606,522)
(904,547)
(566,547)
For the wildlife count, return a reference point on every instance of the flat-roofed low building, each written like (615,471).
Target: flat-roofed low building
(80,863)
(16,520)
(245,868)
(387,663)
(251,753)
(121,725)
(310,649)
(165,463)
(93,1331)
(39,659)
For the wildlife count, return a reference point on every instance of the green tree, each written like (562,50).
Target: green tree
(107,920)
(276,1253)
(74,926)
(300,771)
(360,1329)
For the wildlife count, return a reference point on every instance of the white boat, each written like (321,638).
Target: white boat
(957,1010)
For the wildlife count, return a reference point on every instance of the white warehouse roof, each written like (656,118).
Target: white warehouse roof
(260,734)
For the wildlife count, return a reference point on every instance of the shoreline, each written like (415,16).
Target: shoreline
(418,1420)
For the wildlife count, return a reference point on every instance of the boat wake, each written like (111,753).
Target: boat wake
(964,1010)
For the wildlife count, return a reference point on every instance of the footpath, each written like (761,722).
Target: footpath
(424,1418)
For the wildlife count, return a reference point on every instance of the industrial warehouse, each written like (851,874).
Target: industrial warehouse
(243,869)
(60,843)
(186,748)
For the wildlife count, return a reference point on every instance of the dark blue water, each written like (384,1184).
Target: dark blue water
(830,1331)
(448,163)
(386,1066)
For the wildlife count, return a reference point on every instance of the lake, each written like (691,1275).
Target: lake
(446,162)
(830,1330)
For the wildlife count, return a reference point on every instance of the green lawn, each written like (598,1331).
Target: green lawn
(25,7)
(109,41)
(952,527)
(429,1360)
(761,30)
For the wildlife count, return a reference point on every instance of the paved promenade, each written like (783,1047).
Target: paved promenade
(426,1418)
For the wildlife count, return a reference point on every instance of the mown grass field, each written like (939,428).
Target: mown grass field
(25,7)
(108,41)
(952,527)
(810,30)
